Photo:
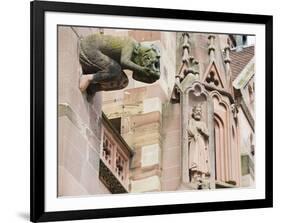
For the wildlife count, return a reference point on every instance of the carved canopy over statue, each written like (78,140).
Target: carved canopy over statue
(103,59)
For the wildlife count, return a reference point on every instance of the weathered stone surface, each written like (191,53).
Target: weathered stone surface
(110,181)
(69,73)
(136,159)
(198,138)
(89,177)
(103,57)
(142,173)
(171,185)
(152,105)
(171,147)
(146,185)
(170,173)
(150,155)
(195,95)
(94,158)
(171,139)
(171,157)
(74,148)
(78,123)
(68,185)
(141,35)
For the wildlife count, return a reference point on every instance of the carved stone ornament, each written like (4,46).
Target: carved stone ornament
(198,139)
(103,59)
(109,180)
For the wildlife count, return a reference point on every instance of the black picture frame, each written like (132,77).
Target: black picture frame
(37,107)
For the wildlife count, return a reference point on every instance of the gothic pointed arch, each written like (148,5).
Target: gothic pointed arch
(225,142)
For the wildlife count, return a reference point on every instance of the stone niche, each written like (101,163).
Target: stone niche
(196,96)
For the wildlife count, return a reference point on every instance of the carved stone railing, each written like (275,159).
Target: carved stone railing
(115,159)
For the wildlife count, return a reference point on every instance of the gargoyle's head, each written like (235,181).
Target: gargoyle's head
(147,55)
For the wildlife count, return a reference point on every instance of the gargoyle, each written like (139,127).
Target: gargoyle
(103,59)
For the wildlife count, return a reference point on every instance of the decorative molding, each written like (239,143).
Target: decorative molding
(220,184)
(227,59)
(212,67)
(220,90)
(228,72)
(198,92)
(176,94)
(116,135)
(189,67)
(109,180)
(211,48)
(185,47)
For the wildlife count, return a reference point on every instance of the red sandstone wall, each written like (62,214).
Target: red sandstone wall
(78,123)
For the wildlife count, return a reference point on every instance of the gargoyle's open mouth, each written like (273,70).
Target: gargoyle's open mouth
(154,66)
(157,65)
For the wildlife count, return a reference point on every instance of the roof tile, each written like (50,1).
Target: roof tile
(239,59)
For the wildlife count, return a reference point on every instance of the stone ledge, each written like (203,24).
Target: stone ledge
(146,185)
(140,174)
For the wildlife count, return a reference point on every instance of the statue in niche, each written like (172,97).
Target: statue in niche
(198,137)
(103,59)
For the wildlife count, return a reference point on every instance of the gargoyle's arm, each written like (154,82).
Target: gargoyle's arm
(126,55)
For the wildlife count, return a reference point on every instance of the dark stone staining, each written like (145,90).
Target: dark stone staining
(212,79)
(109,180)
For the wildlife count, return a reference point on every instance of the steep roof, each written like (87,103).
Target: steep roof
(239,59)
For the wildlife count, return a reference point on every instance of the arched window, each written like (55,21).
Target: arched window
(219,148)
(225,142)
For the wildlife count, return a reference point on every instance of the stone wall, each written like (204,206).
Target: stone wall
(79,122)
(247,139)
(140,107)
(171,157)
(140,110)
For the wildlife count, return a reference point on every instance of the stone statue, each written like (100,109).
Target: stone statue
(198,136)
(103,59)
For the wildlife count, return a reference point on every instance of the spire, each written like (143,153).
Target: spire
(189,65)
(211,48)
(185,47)
(213,75)
(227,62)
(227,59)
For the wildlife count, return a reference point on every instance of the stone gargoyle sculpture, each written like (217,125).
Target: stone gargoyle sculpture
(103,59)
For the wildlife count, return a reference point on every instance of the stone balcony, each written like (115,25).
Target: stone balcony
(115,159)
